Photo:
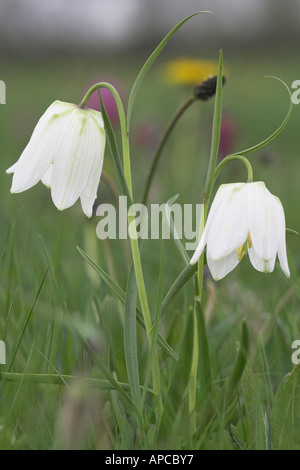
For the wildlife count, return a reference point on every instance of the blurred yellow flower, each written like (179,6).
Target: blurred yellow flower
(189,71)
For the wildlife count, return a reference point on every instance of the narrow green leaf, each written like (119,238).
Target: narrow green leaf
(9,315)
(126,430)
(10,233)
(156,323)
(61,379)
(120,294)
(52,276)
(16,395)
(178,243)
(113,286)
(181,280)
(146,67)
(204,356)
(285,413)
(130,342)
(101,366)
(234,378)
(225,402)
(85,344)
(26,322)
(254,410)
(118,411)
(216,131)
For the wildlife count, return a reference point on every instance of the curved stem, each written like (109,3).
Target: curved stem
(161,145)
(278,130)
(231,158)
(123,125)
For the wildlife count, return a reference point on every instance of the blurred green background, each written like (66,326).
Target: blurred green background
(255,106)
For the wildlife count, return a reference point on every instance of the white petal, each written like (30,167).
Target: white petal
(96,151)
(215,204)
(265,224)
(282,256)
(81,153)
(54,110)
(201,245)
(199,249)
(38,154)
(12,168)
(229,225)
(46,180)
(220,268)
(70,162)
(97,117)
(264,266)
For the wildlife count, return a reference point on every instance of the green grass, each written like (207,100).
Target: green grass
(59,317)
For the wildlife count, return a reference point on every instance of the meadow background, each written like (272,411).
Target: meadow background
(48,292)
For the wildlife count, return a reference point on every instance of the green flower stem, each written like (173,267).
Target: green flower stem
(278,130)
(115,194)
(200,342)
(133,238)
(161,145)
(231,158)
(125,141)
(195,354)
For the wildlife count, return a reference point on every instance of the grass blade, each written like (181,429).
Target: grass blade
(120,294)
(61,379)
(285,412)
(203,348)
(216,131)
(26,322)
(181,280)
(155,324)
(176,238)
(102,367)
(240,364)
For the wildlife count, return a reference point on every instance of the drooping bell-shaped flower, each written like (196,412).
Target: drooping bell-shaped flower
(66,153)
(244,217)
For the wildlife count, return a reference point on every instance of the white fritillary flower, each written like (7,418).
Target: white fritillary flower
(65,152)
(244,217)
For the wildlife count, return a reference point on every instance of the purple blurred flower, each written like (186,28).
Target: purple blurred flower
(146,133)
(228,136)
(107,98)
